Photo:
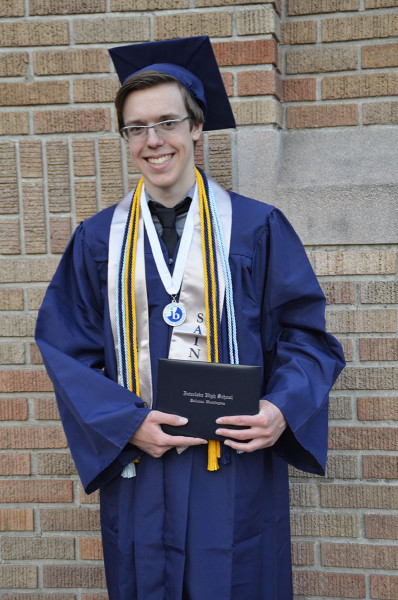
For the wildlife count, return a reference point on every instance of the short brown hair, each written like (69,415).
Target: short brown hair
(147,79)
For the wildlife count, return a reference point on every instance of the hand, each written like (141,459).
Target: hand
(265,428)
(151,438)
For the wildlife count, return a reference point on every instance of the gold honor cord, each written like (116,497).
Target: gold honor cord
(214,449)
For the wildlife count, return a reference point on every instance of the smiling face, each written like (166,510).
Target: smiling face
(166,162)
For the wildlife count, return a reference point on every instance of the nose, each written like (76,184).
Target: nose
(153,139)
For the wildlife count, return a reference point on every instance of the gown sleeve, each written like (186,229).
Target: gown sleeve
(99,416)
(302,360)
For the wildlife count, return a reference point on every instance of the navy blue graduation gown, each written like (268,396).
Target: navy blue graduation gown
(177,531)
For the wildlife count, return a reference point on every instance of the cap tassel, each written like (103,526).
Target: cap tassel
(213,454)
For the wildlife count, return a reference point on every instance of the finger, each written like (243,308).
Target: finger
(247,446)
(168,419)
(240,420)
(183,440)
(238,434)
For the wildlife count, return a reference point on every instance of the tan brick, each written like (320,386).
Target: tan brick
(12,353)
(17,326)
(251,52)
(60,232)
(342,467)
(66,62)
(86,199)
(381,526)
(14,123)
(124,5)
(9,237)
(35,297)
(18,577)
(228,81)
(380,113)
(30,156)
(359,496)
(377,409)
(27,270)
(95,90)
(348,348)
(69,519)
(16,519)
(35,355)
(258,111)
(37,548)
(253,83)
(324,525)
(14,464)
(362,321)
(340,407)
(356,86)
(71,120)
(72,576)
(302,494)
(366,262)
(117,29)
(380,55)
(14,8)
(220,159)
(11,299)
(363,438)
(84,498)
(62,7)
(34,33)
(299,90)
(45,409)
(90,548)
(378,349)
(37,92)
(94,597)
(380,3)
(257,21)
(216,24)
(316,583)
(55,464)
(336,115)
(83,158)
(359,556)
(384,587)
(111,171)
(36,491)
(379,292)
(372,378)
(8,178)
(34,216)
(58,176)
(381,467)
(312,7)
(320,60)
(298,32)
(13,64)
(32,437)
(360,28)
(303,553)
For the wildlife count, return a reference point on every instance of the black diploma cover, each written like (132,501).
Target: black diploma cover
(202,392)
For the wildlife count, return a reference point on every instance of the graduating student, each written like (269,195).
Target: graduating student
(182,269)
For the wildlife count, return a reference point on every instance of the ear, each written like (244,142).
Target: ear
(196,131)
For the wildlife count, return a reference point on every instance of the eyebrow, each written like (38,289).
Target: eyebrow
(166,117)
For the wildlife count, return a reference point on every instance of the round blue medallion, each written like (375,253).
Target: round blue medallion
(174,314)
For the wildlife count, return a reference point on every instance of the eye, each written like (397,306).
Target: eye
(167,125)
(135,129)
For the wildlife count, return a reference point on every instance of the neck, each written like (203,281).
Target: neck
(169,197)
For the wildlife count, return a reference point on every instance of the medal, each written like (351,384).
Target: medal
(174,314)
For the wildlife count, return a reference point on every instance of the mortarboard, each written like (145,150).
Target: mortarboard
(192,62)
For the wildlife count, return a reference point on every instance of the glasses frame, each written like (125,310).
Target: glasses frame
(145,128)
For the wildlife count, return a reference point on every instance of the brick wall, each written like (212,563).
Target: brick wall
(290,68)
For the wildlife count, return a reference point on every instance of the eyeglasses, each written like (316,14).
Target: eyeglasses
(163,128)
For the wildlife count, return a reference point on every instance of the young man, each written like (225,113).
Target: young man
(216,277)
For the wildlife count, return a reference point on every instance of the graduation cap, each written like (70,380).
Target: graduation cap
(192,62)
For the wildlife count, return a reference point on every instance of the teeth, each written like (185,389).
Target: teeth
(160,160)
